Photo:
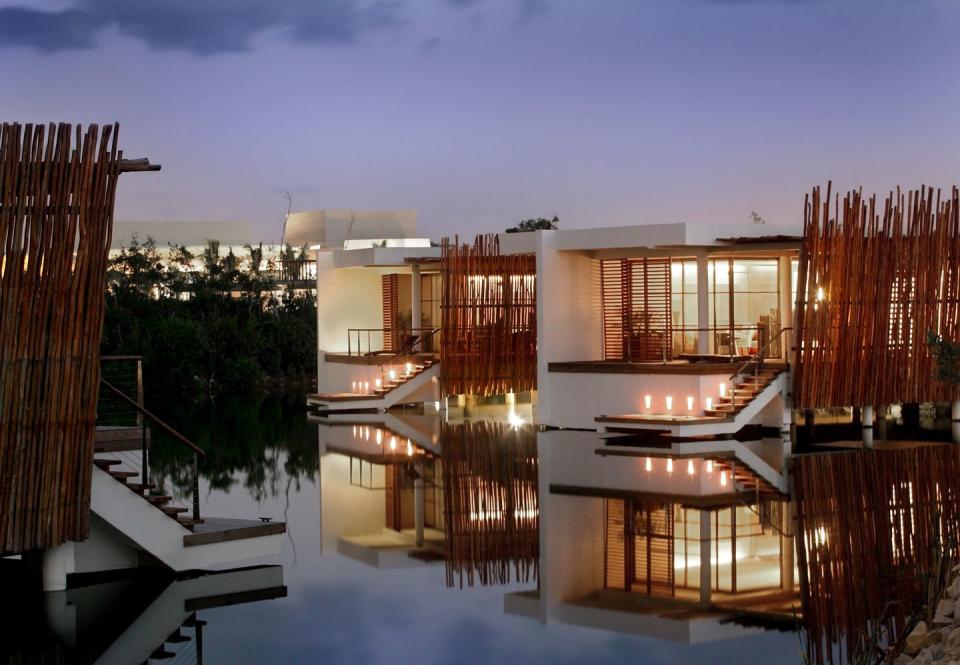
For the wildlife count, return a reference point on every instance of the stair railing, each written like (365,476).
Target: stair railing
(408,350)
(756,362)
(195,449)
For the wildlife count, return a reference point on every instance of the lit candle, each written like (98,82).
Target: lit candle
(353,387)
(392,374)
(647,401)
(409,369)
(723,390)
(378,383)
(709,466)
(709,403)
(723,478)
(669,402)
(649,465)
(690,467)
(690,403)
(409,448)
(366,386)
(669,465)
(379,438)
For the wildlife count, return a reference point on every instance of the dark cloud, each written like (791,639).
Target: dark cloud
(203,27)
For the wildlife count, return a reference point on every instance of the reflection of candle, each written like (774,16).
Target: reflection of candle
(669,465)
(669,401)
(354,431)
(409,448)
(709,466)
(649,465)
(690,467)
(646,401)
(379,438)
(690,403)
(366,433)
(723,478)
(393,443)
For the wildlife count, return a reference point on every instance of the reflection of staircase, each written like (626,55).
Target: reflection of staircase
(743,393)
(396,386)
(745,479)
(179,646)
(161,502)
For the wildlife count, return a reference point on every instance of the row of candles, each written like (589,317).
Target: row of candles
(668,401)
(363,387)
(363,432)
(691,469)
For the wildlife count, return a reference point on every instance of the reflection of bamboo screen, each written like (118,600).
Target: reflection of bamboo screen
(870,288)
(489,319)
(490,502)
(56,211)
(866,529)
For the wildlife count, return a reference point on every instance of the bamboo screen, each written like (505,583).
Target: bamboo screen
(489,319)
(637,315)
(56,211)
(867,526)
(873,280)
(490,503)
(390,288)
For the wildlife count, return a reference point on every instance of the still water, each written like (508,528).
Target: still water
(315,604)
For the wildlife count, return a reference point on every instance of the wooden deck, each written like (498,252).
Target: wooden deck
(221,530)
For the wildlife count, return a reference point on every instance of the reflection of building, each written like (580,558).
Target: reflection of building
(143,617)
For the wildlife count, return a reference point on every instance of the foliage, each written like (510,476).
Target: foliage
(947,355)
(538,224)
(208,325)
(755,218)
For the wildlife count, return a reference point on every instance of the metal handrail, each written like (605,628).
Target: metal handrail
(408,349)
(370,351)
(756,360)
(197,451)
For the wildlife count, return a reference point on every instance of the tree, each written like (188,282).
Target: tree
(946,353)
(538,224)
(755,218)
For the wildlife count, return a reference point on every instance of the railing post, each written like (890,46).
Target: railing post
(196,488)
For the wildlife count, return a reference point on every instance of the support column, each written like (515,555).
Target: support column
(416,305)
(706,569)
(955,421)
(786,307)
(58,562)
(786,429)
(418,503)
(703,305)
(866,420)
(787,551)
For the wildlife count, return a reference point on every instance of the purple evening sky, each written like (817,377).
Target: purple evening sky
(478,113)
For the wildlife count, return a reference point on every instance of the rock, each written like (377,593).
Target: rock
(952,643)
(954,589)
(917,639)
(944,613)
(903,659)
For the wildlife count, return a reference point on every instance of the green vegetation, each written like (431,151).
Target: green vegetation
(947,355)
(538,224)
(209,325)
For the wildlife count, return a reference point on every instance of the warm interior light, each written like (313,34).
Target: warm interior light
(709,403)
(669,465)
(709,466)
(690,403)
(723,478)
(690,466)
(649,465)
(393,443)
(647,400)
(723,390)
(669,402)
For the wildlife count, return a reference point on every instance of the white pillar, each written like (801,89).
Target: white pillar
(58,562)
(786,306)
(955,420)
(786,424)
(416,311)
(703,304)
(866,418)
(419,507)
(706,571)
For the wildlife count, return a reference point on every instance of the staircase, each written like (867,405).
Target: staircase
(396,386)
(133,480)
(744,391)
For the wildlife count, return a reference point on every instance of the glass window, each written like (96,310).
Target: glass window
(683,288)
(745,325)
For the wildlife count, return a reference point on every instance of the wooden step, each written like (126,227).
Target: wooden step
(105,464)
(173,511)
(123,475)
(158,499)
(161,654)
(177,638)
(140,487)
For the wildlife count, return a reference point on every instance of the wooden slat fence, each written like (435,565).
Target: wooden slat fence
(873,280)
(490,503)
(637,309)
(867,524)
(56,210)
(489,319)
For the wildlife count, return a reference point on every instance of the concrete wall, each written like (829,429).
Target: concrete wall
(346,298)
(345,509)
(575,399)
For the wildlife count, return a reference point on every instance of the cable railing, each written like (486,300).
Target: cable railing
(140,462)
(373,341)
